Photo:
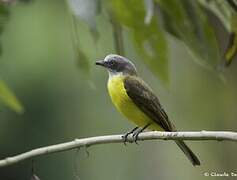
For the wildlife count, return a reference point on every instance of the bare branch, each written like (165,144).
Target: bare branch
(85,142)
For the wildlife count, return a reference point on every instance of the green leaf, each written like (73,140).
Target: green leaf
(187,21)
(226,12)
(231,50)
(221,9)
(149,39)
(9,99)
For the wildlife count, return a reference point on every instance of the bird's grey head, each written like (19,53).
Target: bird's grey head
(116,65)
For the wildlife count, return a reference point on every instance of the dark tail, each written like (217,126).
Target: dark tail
(188,152)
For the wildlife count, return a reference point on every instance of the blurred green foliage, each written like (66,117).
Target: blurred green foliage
(187,21)
(4,14)
(7,97)
(39,63)
(147,23)
(226,11)
(149,39)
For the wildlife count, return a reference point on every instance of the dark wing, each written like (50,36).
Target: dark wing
(147,101)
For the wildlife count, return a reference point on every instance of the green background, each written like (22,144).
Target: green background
(63,103)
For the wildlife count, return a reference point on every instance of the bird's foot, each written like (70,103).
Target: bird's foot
(137,132)
(135,136)
(125,136)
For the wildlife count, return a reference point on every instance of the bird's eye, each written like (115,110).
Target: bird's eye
(111,63)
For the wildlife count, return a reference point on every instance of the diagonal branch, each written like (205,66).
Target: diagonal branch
(86,142)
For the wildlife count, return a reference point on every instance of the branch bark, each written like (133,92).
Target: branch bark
(86,142)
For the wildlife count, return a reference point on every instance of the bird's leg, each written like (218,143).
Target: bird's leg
(136,133)
(125,136)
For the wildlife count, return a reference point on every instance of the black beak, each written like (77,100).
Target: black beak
(100,63)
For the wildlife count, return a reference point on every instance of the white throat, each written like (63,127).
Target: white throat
(113,74)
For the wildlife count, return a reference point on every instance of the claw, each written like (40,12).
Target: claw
(125,136)
(136,133)
(135,136)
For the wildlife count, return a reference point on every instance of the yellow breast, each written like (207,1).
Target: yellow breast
(125,105)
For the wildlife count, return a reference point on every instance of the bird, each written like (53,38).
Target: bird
(137,102)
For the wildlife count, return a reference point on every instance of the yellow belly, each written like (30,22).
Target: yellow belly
(126,106)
